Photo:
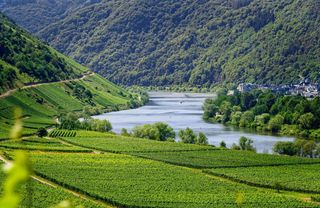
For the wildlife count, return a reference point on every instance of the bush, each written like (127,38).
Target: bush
(202,139)
(246,144)
(285,148)
(157,131)
(187,136)
(223,144)
(124,132)
(42,132)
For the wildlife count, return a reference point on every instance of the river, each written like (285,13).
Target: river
(181,110)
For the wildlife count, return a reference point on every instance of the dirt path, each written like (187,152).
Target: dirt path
(10,92)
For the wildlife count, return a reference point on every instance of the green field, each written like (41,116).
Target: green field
(115,143)
(44,196)
(223,158)
(132,182)
(304,178)
(41,144)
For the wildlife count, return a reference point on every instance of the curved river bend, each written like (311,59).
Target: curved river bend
(181,110)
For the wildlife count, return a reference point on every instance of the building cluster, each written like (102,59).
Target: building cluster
(304,88)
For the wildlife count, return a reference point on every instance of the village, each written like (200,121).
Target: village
(304,88)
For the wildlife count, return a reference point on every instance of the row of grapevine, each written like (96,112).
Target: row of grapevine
(300,178)
(54,146)
(128,178)
(115,143)
(62,133)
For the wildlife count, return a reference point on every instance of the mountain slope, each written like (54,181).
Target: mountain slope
(45,84)
(201,42)
(44,12)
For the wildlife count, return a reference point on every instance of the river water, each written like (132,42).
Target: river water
(181,110)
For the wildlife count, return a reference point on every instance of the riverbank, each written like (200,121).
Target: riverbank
(181,110)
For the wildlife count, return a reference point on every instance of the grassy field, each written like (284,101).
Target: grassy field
(132,182)
(303,178)
(223,158)
(116,143)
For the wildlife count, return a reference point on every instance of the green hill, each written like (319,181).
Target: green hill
(45,84)
(188,42)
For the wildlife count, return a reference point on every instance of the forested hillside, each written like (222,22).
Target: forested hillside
(40,13)
(195,42)
(46,84)
(24,59)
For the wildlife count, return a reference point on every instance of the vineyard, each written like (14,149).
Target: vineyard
(223,158)
(47,196)
(132,172)
(115,143)
(41,144)
(127,181)
(303,178)
(60,133)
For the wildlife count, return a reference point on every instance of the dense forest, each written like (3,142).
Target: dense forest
(24,59)
(267,111)
(189,42)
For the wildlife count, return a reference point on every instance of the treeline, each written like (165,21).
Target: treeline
(163,132)
(300,147)
(72,121)
(266,111)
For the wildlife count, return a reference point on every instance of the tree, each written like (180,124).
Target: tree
(101,125)
(225,110)
(246,119)
(42,132)
(202,139)
(124,132)
(223,144)
(246,144)
(157,131)
(261,120)
(236,117)
(147,131)
(285,148)
(187,136)
(306,121)
(309,149)
(165,131)
(70,121)
(275,123)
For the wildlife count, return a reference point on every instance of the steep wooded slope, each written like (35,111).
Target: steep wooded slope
(196,42)
(45,84)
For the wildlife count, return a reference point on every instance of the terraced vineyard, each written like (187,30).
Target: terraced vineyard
(115,143)
(223,158)
(132,182)
(303,178)
(41,144)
